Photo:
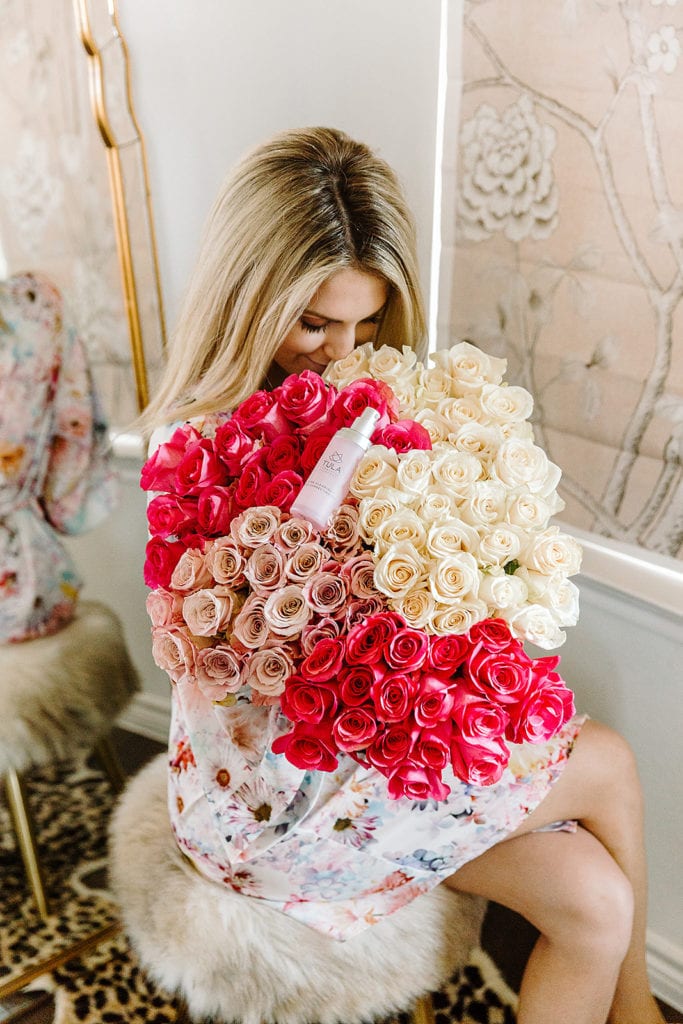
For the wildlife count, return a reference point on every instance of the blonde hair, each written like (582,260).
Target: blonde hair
(294,211)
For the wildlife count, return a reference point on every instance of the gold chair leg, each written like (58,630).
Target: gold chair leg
(423,1011)
(23,827)
(106,755)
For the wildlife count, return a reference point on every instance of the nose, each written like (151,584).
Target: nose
(340,341)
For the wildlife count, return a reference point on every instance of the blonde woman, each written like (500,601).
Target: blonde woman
(310,251)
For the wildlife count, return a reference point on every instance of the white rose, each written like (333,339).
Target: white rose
(536,583)
(456,471)
(376,469)
(403,525)
(551,551)
(399,570)
(523,430)
(434,424)
(562,597)
(414,471)
(506,403)
(406,396)
(470,367)
(392,366)
(528,511)
(484,503)
(448,538)
(502,591)
(454,578)
(519,463)
(538,625)
(459,411)
(350,368)
(476,439)
(417,608)
(500,545)
(436,506)
(458,618)
(372,512)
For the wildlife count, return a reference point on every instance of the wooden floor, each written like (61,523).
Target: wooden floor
(507,937)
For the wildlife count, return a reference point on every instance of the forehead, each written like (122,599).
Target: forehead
(349,295)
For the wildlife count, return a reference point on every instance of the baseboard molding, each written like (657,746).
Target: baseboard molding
(148,715)
(665,968)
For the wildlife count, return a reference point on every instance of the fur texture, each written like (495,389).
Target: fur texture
(234,958)
(59,693)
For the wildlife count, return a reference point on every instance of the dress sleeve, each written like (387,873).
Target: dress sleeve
(80,487)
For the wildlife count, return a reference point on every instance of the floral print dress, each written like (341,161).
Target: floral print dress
(330,849)
(55,467)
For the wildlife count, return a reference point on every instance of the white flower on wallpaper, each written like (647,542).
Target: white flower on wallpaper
(507,181)
(664,50)
(33,194)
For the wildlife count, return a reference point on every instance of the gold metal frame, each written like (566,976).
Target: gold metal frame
(113,147)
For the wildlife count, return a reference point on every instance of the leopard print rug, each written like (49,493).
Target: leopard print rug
(70,804)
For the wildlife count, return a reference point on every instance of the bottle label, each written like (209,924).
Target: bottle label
(334,462)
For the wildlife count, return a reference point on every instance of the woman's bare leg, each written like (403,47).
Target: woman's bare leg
(599,787)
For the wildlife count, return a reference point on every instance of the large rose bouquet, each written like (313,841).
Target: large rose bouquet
(396,635)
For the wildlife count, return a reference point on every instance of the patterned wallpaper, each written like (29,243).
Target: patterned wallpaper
(563,225)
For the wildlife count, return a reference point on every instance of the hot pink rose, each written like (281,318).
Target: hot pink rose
(407,649)
(432,747)
(304,701)
(416,783)
(403,436)
(199,467)
(434,700)
(355,683)
(309,747)
(215,510)
(365,642)
(502,676)
(447,653)
(315,445)
(282,490)
(168,515)
(390,747)
(161,558)
(360,394)
(480,764)
(305,398)
(476,717)
(158,473)
(260,416)
(393,696)
(232,446)
(324,662)
(353,729)
(543,713)
(283,453)
(251,487)
(492,634)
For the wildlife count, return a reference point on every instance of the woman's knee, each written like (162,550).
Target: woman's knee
(597,914)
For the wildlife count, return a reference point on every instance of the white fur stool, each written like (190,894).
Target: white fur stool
(59,695)
(231,957)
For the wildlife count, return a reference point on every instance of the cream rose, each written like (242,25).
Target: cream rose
(353,366)
(459,618)
(400,570)
(265,568)
(551,551)
(374,511)
(484,504)
(561,596)
(403,525)
(469,367)
(436,506)
(414,471)
(450,537)
(226,562)
(286,612)
(392,366)
(520,463)
(376,469)
(454,578)
(255,526)
(456,471)
(435,385)
(528,511)
(435,425)
(477,440)
(191,571)
(499,545)
(305,562)
(417,608)
(506,403)
(208,612)
(459,411)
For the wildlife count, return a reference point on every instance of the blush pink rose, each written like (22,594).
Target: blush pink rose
(199,467)
(168,515)
(161,558)
(173,651)
(232,446)
(403,436)
(326,593)
(309,747)
(480,764)
(304,701)
(359,571)
(164,608)
(217,671)
(305,399)
(159,471)
(260,416)
(353,729)
(191,572)
(208,612)
(407,649)
(416,783)
(313,632)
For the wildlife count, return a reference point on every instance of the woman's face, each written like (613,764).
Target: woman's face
(344,312)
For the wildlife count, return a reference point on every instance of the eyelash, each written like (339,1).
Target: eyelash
(319,328)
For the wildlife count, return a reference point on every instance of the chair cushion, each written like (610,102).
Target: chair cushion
(236,958)
(59,693)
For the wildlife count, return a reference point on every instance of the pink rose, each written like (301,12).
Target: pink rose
(199,467)
(434,701)
(303,701)
(232,446)
(265,569)
(326,593)
(268,670)
(353,729)
(359,611)
(161,558)
(447,653)
(492,634)
(315,445)
(365,642)
(215,510)
(217,671)
(502,676)
(407,649)
(159,472)
(360,394)
(286,611)
(305,399)
(476,717)
(403,436)
(342,534)
(393,696)
(480,764)
(432,747)
(283,453)
(260,416)
(416,783)
(355,683)
(168,515)
(324,662)
(309,747)
(292,533)
(282,490)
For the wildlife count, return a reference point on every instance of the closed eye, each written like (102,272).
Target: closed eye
(312,328)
